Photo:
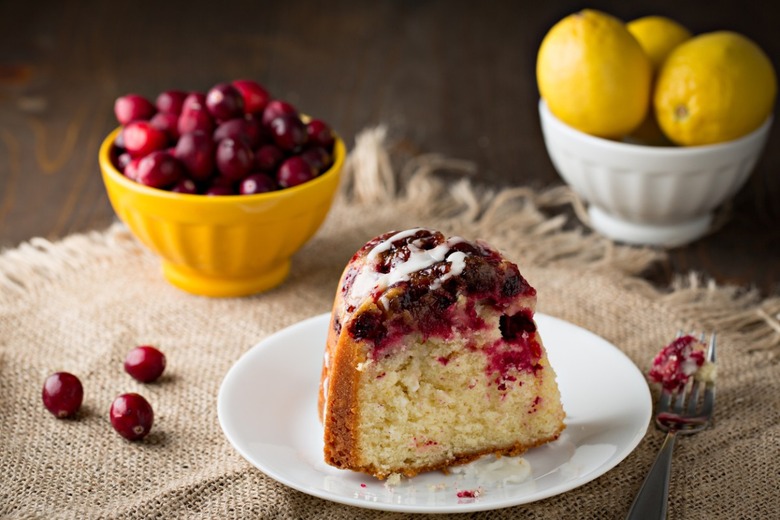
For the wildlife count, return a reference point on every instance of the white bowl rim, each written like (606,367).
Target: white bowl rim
(670,151)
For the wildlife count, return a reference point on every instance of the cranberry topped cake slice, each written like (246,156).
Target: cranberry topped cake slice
(679,361)
(433,358)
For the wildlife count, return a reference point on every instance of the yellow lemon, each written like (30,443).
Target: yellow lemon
(594,75)
(658,35)
(714,87)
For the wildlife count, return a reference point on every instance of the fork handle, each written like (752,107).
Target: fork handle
(651,501)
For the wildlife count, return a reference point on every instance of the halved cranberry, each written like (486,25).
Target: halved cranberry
(257,183)
(62,394)
(171,101)
(255,96)
(133,107)
(277,108)
(320,133)
(268,157)
(131,416)
(224,101)
(196,152)
(159,169)
(141,138)
(145,363)
(234,158)
(288,133)
(294,171)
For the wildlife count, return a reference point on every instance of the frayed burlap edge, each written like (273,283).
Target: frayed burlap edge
(439,186)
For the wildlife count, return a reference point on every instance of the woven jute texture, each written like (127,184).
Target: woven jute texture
(81,303)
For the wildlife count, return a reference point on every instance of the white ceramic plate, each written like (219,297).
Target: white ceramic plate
(267,407)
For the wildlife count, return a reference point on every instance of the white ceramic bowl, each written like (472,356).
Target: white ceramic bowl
(650,195)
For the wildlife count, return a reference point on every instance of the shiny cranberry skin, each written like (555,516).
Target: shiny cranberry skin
(131,170)
(268,157)
(257,183)
(195,150)
(168,123)
(234,159)
(239,128)
(294,171)
(185,186)
(224,101)
(288,133)
(196,100)
(133,107)
(122,160)
(145,363)
(318,158)
(62,394)
(170,101)
(141,138)
(131,416)
(255,95)
(159,169)
(277,108)
(195,118)
(219,190)
(319,133)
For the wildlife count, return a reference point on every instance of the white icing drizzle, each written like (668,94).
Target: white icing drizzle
(369,279)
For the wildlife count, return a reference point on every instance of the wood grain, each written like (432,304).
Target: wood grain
(456,78)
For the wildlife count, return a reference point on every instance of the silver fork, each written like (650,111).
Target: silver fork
(676,413)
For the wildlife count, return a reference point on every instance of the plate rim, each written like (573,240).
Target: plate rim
(295,328)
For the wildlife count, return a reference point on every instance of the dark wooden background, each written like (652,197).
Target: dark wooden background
(451,77)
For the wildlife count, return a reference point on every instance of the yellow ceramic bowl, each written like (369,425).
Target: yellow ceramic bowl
(222,245)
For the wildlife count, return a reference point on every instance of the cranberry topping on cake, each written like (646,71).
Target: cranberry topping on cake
(413,279)
(677,362)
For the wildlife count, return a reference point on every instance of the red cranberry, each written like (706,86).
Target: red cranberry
(195,100)
(219,190)
(255,96)
(239,128)
(288,132)
(257,183)
(131,416)
(185,186)
(268,157)
(294,171)
(131,170)
(320,133)
(133,107)
(145,363)
(195,150)
(234,158)
(224,101)
(167,122)
(159,169)
(318,158)
(277,108)
(141,138)
(62,394)
(195,118)
(171,101)
(122,160)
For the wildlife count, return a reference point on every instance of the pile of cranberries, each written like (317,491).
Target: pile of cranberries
(234,139)
(131,414)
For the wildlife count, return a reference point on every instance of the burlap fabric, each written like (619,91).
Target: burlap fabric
(81,303)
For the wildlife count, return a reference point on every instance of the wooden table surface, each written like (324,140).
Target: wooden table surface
(456,78)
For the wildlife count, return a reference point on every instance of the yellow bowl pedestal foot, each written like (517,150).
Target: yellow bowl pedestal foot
(195,282)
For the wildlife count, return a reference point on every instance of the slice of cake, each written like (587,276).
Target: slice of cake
(433,358)
(679,361)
